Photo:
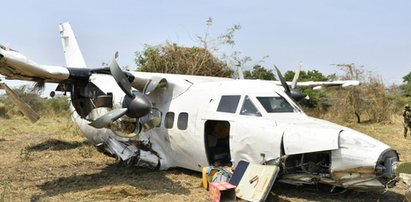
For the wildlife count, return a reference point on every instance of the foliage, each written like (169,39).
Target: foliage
(43,106)
(58,104)
(405,89)
(196,60)
(368,102)
(28,95)
(407,78)
(311,75)
(397,99)
(172,58)
(317,99)
(259,72)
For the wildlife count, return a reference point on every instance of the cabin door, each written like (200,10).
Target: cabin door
(217,142)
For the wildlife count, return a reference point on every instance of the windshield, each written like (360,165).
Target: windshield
(276,104)
(249,108)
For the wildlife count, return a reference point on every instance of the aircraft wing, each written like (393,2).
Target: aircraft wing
(14,65)
(341,83)
(319,84)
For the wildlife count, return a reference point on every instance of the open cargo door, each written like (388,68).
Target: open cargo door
(254,181)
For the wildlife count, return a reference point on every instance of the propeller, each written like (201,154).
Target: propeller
(135,104)
(293,93)
(21,105)
(296,75)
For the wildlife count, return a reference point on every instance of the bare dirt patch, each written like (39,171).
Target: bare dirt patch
(51,161)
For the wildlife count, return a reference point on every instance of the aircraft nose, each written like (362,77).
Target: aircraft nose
(385,168)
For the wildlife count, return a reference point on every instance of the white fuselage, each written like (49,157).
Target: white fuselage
(260,137)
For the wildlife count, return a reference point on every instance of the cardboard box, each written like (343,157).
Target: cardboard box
(222,191)
(254,181)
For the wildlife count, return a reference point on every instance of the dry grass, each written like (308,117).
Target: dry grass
(50,161)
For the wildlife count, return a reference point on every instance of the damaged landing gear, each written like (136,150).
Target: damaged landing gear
(131,153)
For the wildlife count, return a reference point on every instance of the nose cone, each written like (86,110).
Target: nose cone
(385,168)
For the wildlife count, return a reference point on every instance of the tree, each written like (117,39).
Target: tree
(405,88)
(370,100)
(196,60)
(311,75)
(259,72)
(31,95)
(407,78)
(316,97)
(172,58)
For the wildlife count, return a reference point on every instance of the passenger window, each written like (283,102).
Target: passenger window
(228,103)
(182,121)
(169,120)
(249,108)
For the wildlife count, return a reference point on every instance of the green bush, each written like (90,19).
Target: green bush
(57,105)
(43,106)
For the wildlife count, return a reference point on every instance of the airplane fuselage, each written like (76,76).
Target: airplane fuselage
(251,128)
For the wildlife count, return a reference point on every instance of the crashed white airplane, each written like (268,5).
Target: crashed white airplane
(165,120)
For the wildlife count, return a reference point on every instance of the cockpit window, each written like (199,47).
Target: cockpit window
(275,104)
(249,108)
(228,103)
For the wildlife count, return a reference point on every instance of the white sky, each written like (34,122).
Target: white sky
(375,34)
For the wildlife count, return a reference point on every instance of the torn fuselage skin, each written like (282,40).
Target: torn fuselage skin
(361,163)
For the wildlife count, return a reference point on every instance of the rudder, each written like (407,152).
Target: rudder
(72,51)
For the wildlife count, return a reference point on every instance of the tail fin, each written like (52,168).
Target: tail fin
(72,52)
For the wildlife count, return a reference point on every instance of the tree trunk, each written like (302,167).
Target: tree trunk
(2,111)
(358,117)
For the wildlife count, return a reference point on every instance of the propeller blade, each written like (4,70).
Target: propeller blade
(135,104)
(120,77)
(21,105)
(283,83)
(108,118)
(296,75)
